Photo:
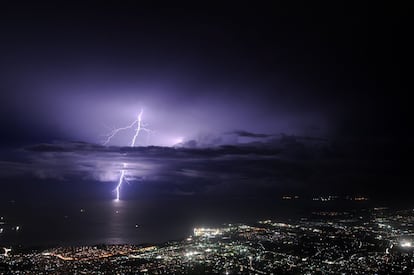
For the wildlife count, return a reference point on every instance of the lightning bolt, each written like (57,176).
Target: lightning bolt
(139,127)
(120,181)
(139,121)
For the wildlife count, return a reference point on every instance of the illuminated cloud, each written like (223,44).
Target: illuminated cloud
(277,165)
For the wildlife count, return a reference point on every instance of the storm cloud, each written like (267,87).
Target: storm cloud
(284,164)
(255,100)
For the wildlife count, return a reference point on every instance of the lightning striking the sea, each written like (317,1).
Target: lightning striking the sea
(139,127)
(120,181)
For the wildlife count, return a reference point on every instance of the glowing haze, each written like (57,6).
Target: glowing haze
(282,79)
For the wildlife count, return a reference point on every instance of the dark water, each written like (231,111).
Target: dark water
(85,222)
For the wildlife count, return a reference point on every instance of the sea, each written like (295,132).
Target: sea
(143,221)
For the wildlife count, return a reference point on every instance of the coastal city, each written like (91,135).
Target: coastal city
(365,241)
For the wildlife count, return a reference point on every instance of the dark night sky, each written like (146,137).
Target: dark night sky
(311,97)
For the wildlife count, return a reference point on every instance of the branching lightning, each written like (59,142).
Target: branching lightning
(139,127)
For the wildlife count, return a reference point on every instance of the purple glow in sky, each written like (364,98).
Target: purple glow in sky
(276,79)
(85,110)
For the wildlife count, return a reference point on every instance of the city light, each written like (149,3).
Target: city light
(406,244)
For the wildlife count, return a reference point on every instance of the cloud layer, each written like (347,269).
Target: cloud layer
(282,164)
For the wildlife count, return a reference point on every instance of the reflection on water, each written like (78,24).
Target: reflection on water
(134,222)
(116,234)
